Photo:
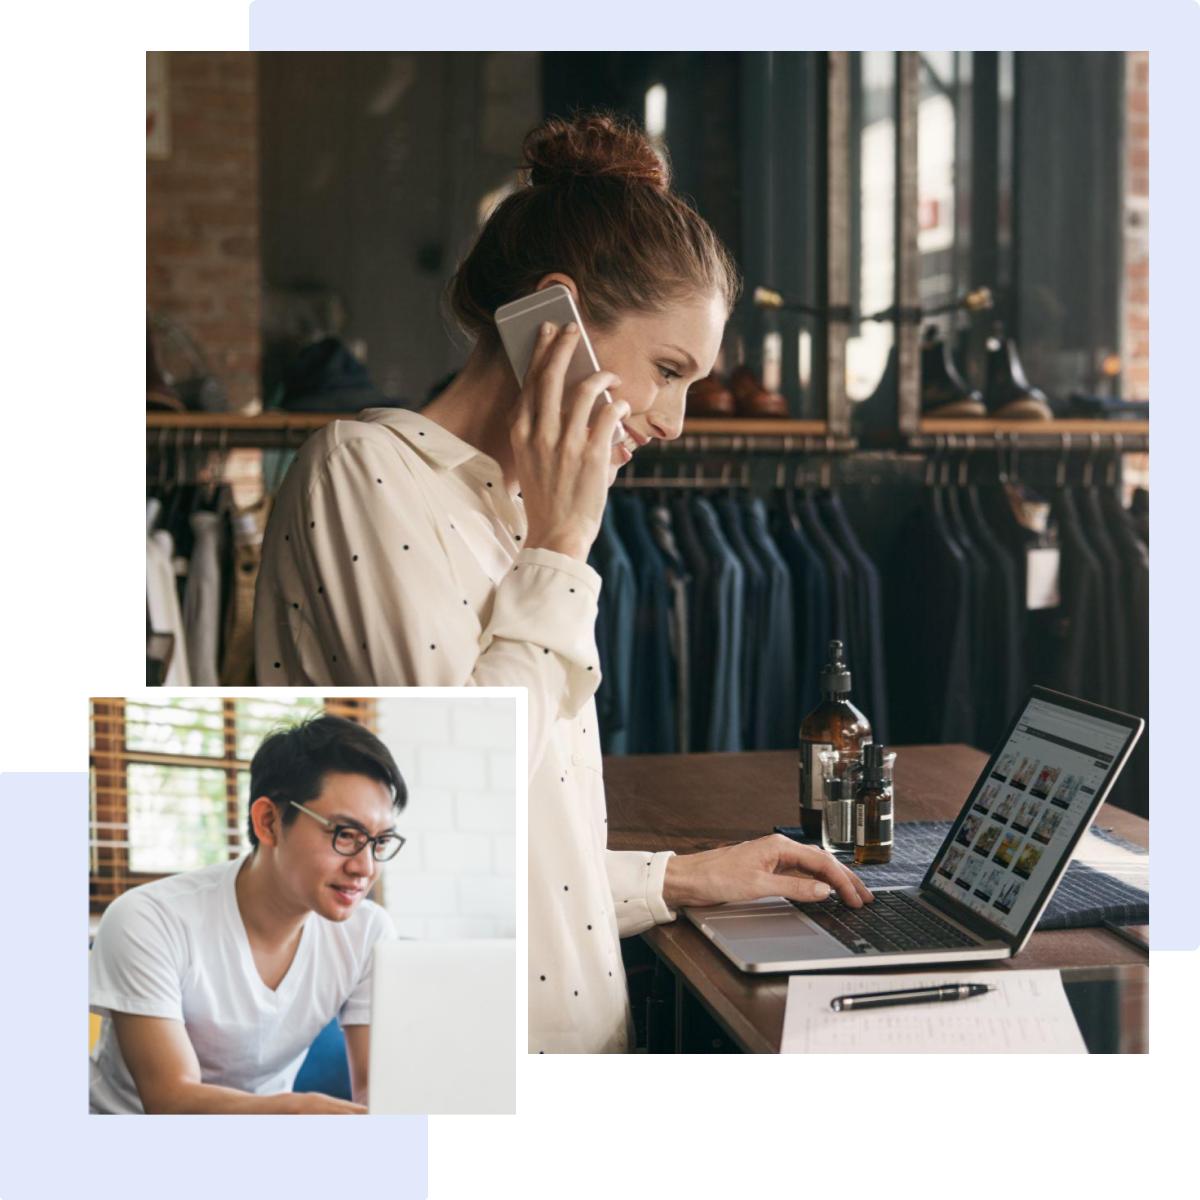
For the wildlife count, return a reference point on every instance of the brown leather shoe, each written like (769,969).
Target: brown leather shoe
(709,397)
(753,400)
(763,404)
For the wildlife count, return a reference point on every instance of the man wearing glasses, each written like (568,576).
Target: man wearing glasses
(214,983)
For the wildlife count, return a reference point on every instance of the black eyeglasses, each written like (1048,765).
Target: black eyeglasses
(349,840)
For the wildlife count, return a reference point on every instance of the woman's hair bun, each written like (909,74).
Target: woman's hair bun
(593,144)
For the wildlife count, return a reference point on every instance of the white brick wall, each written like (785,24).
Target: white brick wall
(455,876)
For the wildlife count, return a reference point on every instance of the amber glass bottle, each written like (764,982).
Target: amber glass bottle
(835,724)
(873,811)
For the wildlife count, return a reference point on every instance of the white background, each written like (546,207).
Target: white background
(73,578)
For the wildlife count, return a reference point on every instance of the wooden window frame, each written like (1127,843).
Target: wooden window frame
(109,874)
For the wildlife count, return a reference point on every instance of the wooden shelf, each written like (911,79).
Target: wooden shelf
(239,421)
(985,428)
(749,426)
(755,427)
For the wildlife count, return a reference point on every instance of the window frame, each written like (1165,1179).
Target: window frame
(109,874)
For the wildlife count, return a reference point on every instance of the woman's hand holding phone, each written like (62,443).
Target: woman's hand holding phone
(562,464)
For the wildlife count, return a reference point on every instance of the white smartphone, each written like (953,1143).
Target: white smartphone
(518,323)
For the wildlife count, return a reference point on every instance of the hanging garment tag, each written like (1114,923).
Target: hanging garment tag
(1041,577)
(247,530)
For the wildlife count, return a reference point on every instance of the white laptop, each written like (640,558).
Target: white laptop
(443,1027)
(987,885)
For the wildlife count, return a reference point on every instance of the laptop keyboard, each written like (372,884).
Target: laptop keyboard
(894,922)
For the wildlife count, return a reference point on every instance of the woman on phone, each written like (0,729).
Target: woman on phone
(448,547)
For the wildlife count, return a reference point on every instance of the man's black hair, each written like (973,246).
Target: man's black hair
(292,763)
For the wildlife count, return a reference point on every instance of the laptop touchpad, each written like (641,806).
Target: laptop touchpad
(775,924)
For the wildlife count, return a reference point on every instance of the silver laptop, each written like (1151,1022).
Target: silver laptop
(987,885)
(443,1027)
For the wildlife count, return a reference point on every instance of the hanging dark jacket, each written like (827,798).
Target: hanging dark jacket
(615,618)
(725,599)
(810,599)
(1077,663)
(1133,788)
(982,612)
(928,630)
(1007,611)
(652,696)
(776,722)
(1095,527)
(701,623)
(837,573)
(755,615)
(679,581)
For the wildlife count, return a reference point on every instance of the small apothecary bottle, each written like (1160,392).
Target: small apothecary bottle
(835,724)
(873,808)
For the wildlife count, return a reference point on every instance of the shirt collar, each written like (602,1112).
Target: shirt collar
(427,437)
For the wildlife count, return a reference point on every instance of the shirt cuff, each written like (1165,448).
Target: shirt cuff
(536,556)
(659,909)
(636,880)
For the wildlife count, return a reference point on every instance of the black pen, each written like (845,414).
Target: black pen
(921,995)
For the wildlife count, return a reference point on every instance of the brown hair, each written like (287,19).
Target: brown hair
(597,206)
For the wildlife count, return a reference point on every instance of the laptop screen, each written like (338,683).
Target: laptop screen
(1025,814)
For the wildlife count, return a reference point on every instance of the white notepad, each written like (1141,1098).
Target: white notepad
(1028,1013)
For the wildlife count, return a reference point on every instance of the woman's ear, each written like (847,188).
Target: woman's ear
(558,277)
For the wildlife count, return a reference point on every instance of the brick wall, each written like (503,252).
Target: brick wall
(202,253)
(455,878)
(1135,307)
(1135,291)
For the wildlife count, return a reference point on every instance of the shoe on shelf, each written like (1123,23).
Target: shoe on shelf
(709,397)
(1009,395)
(752,399)
(944,392)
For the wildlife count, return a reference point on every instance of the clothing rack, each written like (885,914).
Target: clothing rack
(947,460)
(1061,435)
(767,443)
(715,470)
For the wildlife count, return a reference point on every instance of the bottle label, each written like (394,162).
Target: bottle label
(812,786)
(885,824)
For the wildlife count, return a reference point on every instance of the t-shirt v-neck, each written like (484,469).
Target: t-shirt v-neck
(282,993)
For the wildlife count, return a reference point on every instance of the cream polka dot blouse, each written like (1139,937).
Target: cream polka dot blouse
(393,557)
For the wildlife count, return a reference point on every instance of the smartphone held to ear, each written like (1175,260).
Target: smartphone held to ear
(518,323)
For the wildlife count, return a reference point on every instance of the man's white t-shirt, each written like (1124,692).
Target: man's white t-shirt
(177,948)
